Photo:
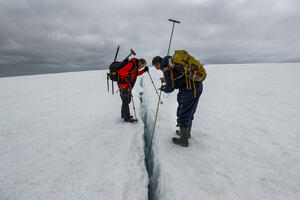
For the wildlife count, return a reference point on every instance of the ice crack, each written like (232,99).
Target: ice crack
(151,165)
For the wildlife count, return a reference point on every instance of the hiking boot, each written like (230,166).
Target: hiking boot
(183,140)
(129,117)
(131,120)
(189,135)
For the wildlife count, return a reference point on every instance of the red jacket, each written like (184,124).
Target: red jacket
(132,69)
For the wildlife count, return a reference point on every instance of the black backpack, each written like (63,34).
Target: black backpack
(114,67)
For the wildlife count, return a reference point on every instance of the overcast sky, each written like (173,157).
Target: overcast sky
(87,32)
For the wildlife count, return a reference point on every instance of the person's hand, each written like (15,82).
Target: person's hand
(162,87)
(163,80)
(146,69)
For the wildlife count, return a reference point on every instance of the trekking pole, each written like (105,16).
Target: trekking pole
(132,101)
(153,83)
(174,21)
(154,124)
(107,81)
(154,87)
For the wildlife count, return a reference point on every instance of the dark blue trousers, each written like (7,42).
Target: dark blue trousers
(126,99)
(187,104)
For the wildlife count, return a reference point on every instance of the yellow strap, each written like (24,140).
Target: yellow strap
(172,78)
(190,84)
(186,81)
(194,88)
(166,69)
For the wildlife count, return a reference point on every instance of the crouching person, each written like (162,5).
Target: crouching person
(127,78)
(187,97)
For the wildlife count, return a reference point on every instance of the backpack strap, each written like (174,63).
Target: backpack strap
(133,65)
(172,77)
(166,69)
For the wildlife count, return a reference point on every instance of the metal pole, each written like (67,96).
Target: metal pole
(132,101)
(154,87)
(153,83)
(107,81)
(154,125)
(112,87)
(171,38)
(174,21)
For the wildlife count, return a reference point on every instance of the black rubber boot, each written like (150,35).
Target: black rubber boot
(183,140)
(130,120)
(189,135)
(122,111)
(129,117)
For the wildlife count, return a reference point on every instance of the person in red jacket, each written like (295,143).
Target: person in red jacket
(127,78)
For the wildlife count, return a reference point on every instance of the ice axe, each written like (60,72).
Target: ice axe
(174,21)
(132,52)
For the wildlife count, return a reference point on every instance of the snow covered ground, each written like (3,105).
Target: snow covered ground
(61,137)
(245,140)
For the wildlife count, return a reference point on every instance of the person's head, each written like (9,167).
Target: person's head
(156,62)
(142,63)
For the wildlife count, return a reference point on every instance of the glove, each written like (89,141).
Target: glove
(146,69)
(162,87)
(129,77)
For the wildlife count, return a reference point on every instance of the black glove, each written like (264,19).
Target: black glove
(146,69)
(129,77)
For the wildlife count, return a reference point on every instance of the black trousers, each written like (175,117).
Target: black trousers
(126,99)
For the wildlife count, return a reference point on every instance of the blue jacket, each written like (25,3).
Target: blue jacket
(179,79)
(187,102)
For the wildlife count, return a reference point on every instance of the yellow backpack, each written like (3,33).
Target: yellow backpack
(189,66)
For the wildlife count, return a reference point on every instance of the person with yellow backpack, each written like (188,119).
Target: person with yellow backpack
(185,73)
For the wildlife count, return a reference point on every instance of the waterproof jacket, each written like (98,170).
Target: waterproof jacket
(179,79)
(128,74)
(187,102)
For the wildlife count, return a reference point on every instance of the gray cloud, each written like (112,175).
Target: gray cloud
(86,33)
